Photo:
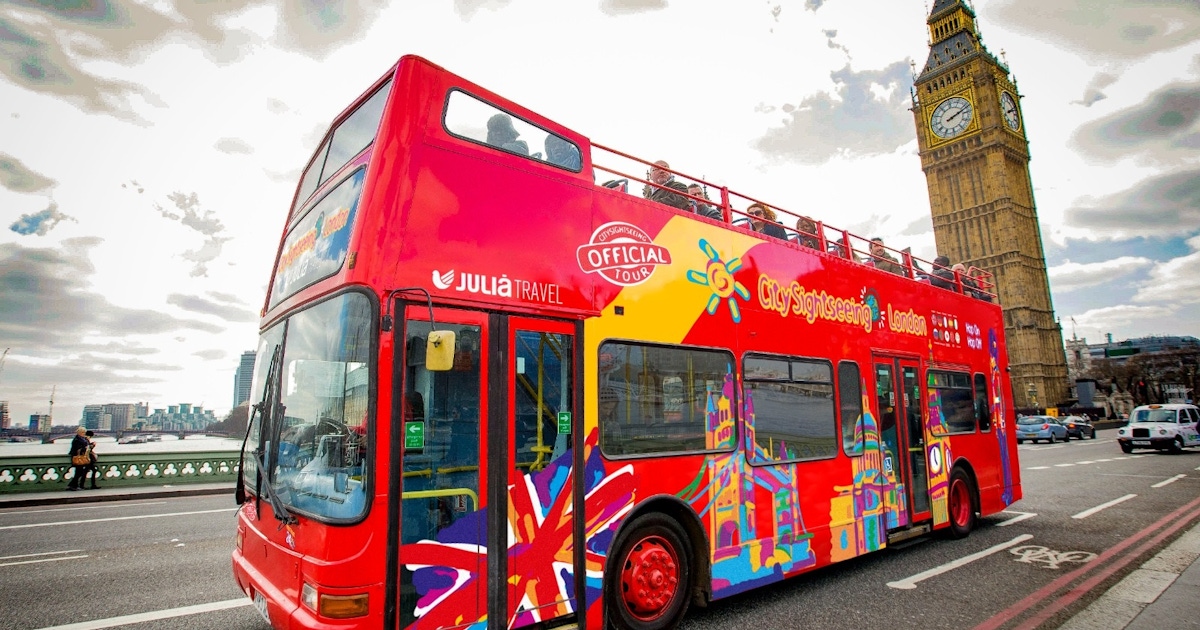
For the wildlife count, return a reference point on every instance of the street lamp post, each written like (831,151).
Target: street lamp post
(1031,391)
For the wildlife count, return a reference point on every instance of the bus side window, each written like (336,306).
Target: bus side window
(983,405)
(472,119)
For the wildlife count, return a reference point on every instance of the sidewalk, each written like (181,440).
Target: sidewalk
(64,497)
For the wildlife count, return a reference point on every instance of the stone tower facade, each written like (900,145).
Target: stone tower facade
(975,155)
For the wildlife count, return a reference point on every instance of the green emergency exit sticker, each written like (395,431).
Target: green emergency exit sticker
(564,422)
(414,435)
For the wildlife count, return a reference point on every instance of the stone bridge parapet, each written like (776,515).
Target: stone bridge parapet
(53,472)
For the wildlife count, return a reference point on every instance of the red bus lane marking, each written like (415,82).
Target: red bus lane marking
(1039,596)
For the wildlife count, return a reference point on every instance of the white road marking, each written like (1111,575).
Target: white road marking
(1023,516)
(83,507)
(169,613)
(40,560)
(911,582)
(45,553)
(115,518)
(1168,481)
(1103,460)
(1085,462)
(1037,468)
(1091,511)
(1063,465)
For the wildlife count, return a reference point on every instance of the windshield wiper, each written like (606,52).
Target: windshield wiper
(267,410)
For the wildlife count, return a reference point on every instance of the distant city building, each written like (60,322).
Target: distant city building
(1134,371)
(243,377)
(123,415)
(91,416)
(181,417)
(5,419)
(39,423)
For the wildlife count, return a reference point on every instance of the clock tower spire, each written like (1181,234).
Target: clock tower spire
(973,148)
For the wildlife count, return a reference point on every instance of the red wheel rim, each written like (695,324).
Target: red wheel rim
(650,578)
(960,503)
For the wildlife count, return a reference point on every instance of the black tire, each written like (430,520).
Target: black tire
(1020,441)
(961,505)
(1093,434)
(1176,446)
(1052,439)
(657,540)
(1125,448)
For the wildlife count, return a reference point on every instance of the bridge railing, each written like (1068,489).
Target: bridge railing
(54,472)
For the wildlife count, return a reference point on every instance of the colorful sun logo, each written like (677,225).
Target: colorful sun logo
(718,276)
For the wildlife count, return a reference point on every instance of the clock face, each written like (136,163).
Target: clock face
(951,117)
(1008,107)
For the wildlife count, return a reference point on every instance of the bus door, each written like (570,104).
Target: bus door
(899,403)
(540,519)
(441,421)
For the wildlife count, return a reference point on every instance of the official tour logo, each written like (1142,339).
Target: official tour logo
(622,253)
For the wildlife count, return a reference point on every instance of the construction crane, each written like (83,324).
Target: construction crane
(50,423)
(3,356)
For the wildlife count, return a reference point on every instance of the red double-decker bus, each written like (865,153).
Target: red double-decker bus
(495,383)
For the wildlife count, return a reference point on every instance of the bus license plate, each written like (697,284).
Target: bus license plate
(260,604)
(1141,442)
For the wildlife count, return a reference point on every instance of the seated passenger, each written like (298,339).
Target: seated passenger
(502,134)
(562,152)
(970,286)
(838,248)
(807,229)
(942,277)
(702,209)
(762,219)
(663,187)
(883,260)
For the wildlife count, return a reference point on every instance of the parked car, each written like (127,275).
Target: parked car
(1036,428)
(1078,427)
(1169,427)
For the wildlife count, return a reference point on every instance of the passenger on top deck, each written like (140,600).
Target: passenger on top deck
(970,286)
(663,187)
(883,260)
(762,220)
(562,152)
(702,209)
(942,277)
(502,134)
(807,230)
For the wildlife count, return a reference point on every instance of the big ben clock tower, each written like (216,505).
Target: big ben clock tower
(975,155)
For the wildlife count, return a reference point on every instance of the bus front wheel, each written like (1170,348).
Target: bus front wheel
(962,505)
(649,578)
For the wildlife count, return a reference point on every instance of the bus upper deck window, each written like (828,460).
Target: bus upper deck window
(472,119)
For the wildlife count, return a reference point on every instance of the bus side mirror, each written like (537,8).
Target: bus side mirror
(439,351)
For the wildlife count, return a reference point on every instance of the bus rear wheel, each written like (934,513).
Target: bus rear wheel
(961,504)
(649,579)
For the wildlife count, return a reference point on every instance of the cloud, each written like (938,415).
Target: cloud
(49,307)
(621,7)
(1161,205)
(1175,281)
(869,116)
(188,212)
(1092,93)
(16,177)
(813,5)
(54,47)
(197,304)
(1120,316)
(924,225)
(1124,29)
(1071,276)
(210,355)
(233,146)
(1164,126)
(40,223)
(468,8)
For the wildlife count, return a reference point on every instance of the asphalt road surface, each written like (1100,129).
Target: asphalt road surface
(1090,515)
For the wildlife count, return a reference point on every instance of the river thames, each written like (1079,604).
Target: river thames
(169,444)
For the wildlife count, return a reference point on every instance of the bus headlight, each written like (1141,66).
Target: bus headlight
(308,597)
(343,606)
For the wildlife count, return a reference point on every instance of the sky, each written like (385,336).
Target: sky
(149,150)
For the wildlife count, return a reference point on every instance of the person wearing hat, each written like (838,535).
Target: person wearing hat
(79,458)
(942,277)
(501,133)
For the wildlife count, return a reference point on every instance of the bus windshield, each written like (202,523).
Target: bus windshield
(320,465)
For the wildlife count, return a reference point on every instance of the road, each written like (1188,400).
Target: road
(94,565)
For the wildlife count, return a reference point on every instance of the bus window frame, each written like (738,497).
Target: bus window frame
(501,110)
(834,403)
(860,443)
(734,404)
(976,377)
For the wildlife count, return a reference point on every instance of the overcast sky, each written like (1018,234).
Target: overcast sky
(149,149)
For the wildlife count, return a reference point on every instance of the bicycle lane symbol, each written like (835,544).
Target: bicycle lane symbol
(1049,558)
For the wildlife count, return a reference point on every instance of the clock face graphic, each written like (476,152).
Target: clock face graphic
(951,117)
(1008,107)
